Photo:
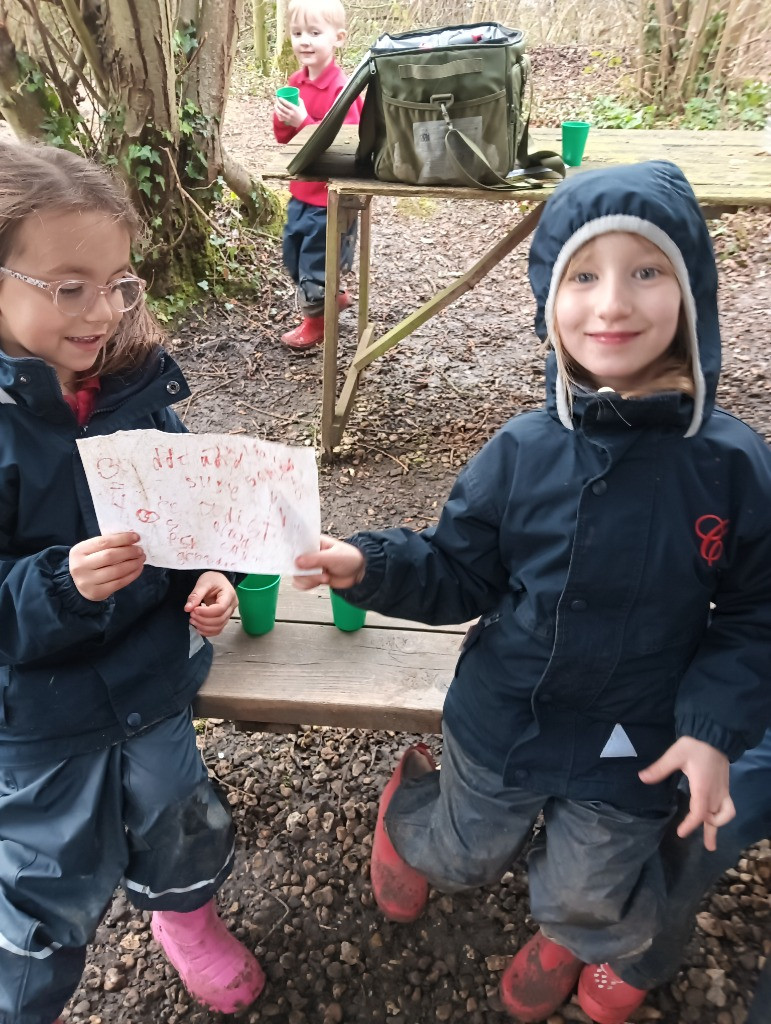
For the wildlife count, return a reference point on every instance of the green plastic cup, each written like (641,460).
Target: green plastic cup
(574,136)
(346,616)
(257,602)
(290,93)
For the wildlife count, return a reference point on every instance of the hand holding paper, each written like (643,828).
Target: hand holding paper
(101,565)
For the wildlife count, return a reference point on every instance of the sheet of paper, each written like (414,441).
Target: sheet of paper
(206,501)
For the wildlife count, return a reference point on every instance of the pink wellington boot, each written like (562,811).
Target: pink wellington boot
(214,966)
(344,300)
(400,891)
(308,334)
(607,998)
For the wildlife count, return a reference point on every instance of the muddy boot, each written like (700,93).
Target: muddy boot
(308,334)
(605,997)
(539,979)
(400,891)
(214,967)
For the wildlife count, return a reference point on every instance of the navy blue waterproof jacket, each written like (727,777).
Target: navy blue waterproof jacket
(78,675)
(592,546)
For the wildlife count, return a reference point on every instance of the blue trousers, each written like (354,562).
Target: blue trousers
(142,813)
(304,249)
(596,884)
(691,870)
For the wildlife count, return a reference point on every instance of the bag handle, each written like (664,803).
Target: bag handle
(536,168)
(432,72)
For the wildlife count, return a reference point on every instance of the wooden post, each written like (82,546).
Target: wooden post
(331,288)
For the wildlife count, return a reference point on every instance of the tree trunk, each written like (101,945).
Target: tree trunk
(20,108)
(260,35)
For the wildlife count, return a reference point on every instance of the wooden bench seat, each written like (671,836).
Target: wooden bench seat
(392,674)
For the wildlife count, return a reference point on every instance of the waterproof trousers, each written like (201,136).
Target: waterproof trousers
(142,813)
(304,249)
(691,871)
(596,883)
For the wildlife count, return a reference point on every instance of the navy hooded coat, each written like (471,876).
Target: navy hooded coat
(79,675)
(594,543)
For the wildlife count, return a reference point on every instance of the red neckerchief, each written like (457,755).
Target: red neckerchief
(83,401)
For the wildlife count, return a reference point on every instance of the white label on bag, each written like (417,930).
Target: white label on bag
(428,140)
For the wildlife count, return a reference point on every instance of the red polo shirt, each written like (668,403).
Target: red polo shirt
(82,402)
(318,95)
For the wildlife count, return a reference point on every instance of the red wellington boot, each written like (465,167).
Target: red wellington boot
(309,333)
(606,997)
(400,891)
(539,979)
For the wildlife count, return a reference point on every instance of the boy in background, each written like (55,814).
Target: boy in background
(317,29)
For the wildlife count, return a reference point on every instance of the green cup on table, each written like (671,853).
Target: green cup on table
(257,602)
(346,616)
(574,136)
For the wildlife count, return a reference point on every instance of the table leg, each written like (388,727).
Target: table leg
(331,288)
(367,350)
(453,291)
(365,251)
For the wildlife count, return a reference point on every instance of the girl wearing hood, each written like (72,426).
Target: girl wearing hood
(615,547)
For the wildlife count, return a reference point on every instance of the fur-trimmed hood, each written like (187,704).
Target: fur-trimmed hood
(654,200)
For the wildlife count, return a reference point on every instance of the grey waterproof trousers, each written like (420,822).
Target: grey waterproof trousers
(595,877)
(141,813)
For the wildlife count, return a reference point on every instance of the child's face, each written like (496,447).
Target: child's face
(617,310)
(314,42)
(58,246)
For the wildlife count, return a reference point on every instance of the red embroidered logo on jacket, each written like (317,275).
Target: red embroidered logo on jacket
(711,530)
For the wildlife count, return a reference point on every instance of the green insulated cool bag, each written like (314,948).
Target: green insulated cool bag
(443,107)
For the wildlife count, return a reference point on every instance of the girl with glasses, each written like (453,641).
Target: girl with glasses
(101,655)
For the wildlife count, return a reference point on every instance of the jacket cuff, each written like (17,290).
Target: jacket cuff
(374,569)
(71,598)
(727,741)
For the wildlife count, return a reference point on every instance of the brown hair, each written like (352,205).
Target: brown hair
(674,372)
(35,178)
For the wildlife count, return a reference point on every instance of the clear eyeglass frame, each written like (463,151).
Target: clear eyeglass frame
(74,298)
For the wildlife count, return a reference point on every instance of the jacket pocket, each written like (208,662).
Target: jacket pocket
(414,150)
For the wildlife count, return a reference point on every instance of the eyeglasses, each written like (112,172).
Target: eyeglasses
(73,298)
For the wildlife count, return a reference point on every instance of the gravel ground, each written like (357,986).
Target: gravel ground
(305,809)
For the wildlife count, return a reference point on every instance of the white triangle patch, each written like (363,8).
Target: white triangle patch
(618,745)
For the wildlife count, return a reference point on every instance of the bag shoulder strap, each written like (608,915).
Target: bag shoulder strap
(532,171)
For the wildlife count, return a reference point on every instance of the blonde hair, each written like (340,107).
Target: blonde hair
(331,12)
(36,179)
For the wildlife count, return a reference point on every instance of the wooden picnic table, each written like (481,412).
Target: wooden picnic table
(391,674)
(727,169)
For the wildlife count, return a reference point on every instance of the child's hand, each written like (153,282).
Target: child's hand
(289,113)
(339,564)
(707,772)
(101,565)
(211,604)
